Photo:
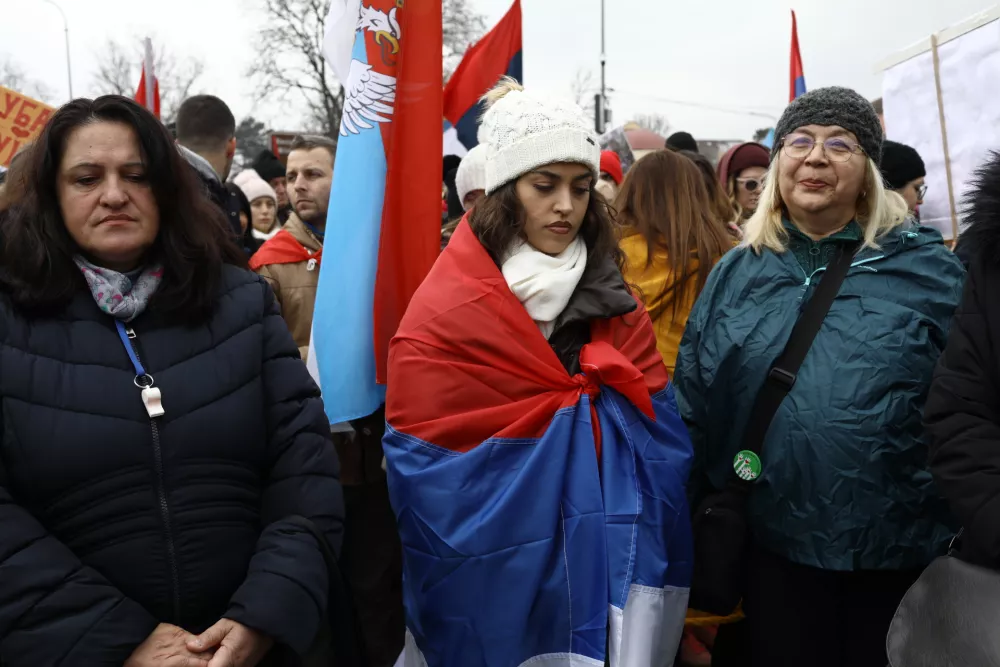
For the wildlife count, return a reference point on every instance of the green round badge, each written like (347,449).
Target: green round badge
(747,465)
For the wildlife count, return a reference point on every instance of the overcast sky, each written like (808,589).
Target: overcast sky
(720,53)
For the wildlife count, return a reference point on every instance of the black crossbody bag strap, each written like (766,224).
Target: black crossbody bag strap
(784,372)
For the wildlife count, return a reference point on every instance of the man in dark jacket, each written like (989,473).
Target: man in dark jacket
(963,406)
(206,136)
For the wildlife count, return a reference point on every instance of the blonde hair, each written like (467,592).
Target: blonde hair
(877,212)
(505,85)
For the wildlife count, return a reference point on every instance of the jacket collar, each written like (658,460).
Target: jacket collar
(902,238)
(200,164)
(601,294)
(298,229)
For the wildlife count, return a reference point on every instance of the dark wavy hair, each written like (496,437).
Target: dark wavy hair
(498,219)
(193,243)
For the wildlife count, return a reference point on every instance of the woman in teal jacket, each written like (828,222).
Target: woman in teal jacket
(844,515)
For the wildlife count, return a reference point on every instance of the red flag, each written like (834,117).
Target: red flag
(411,216)
(797,78)
(142,97)
(149,96)
(496,54)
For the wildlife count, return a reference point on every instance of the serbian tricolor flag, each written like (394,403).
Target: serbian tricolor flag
(524,541)
(495,55)
(797,79)
(383,229)
(148,95)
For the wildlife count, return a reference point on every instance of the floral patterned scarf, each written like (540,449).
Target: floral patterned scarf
(123,296)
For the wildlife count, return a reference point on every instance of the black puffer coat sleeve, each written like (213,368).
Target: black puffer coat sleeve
(963,418)
(286,589)
(53,610)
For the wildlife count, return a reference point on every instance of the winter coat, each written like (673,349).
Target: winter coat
(963,408)
(600,294)
(227,201)
(650,281)
(845,484)
(109,527)
(295,285)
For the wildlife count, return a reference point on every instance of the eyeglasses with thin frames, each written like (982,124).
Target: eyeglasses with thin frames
(921,191)
(836,149)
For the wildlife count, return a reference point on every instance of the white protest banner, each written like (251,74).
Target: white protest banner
(940,97)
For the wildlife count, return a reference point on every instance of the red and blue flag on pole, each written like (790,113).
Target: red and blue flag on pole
(797,79)
(383,229)
(497,54)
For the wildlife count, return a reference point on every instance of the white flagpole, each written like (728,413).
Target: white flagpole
(150,76)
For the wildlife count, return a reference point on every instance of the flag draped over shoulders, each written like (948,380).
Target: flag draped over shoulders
(537,510)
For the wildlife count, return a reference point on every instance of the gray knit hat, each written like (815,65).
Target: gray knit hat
(833,106)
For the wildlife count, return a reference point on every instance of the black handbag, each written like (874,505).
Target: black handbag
(719,524)
(949,618)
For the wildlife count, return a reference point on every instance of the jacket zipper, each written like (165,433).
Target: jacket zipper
(161,489)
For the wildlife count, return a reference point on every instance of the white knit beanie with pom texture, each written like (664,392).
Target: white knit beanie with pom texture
(523,131)
(471,173)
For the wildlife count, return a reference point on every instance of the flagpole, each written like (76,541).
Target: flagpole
(69,68)
(150,77)
(604,90)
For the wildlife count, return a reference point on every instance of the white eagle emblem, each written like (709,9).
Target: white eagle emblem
(369,96)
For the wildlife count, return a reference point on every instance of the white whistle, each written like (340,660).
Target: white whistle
(153,401)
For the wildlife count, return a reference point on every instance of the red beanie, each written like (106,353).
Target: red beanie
(741,157)
(612,165)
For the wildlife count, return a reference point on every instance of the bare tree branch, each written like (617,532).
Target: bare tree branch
(119,67)
(13,76)
(462,26)
(583,88)
(292,62)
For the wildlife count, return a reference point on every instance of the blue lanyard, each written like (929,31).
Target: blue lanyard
(151,397)
(123,334)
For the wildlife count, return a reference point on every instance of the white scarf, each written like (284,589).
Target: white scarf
(543,283)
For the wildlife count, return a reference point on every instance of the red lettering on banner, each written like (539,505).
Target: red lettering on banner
(10,102)
(42,119)
(21,122)
(13,151)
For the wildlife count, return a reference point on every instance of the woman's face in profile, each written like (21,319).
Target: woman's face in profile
(105,197)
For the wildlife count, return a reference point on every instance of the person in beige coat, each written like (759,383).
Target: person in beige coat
(290,260)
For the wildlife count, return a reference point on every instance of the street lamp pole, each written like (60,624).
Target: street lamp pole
(69,68)
(604,90)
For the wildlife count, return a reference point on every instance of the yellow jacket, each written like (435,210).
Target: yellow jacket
(650,281)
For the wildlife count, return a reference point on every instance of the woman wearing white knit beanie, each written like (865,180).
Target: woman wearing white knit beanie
(470,181)
(263,203)
(536,458)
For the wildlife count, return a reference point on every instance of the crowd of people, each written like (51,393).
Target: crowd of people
(577,382)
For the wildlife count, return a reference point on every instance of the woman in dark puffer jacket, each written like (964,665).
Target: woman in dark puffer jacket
(158,431)
(963,407)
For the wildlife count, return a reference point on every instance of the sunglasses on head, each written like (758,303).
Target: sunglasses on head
(751,184)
